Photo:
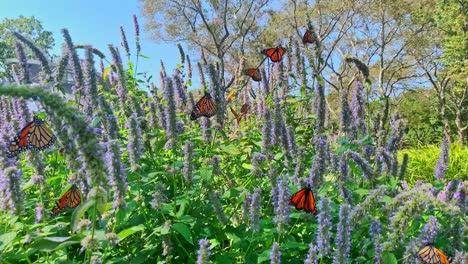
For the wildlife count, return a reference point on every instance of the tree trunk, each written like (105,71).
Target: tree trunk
(443,114)
(460,128)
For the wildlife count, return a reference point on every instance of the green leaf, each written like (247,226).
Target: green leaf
(5,239)
(389,258)
(105,74)
(184,231)
(247,166)
(57,239)
(295,245)
(79,212)
(230,149)
(130,231)
(45,245)
(362,192)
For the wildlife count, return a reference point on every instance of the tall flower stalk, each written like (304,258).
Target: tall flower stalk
(343,236)
(74,60)
(325,225)
(24,76)
(358,110)
(443,162)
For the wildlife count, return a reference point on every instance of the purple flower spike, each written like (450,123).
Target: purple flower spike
(136,28)
(443,162)
(325,226)
(343,236)
(275,255)
(204,252)
(124,41)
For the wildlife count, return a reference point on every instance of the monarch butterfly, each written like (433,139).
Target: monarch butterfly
(304,200)
(275,54)
(309,37)
(254,73)
(204,107)
(244,110)
(70,199)
(432,255)
(34,135)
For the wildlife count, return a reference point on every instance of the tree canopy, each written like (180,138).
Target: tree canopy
(27,26)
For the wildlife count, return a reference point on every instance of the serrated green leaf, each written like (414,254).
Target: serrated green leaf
(130,231)
(5,239)
(389,258)
(184,231)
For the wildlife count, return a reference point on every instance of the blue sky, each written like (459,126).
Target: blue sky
(96,23)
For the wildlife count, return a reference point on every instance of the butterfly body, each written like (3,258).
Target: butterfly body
(204,107)
(432,255)
(254,73)
(244,110)
(70,199)
(275,54)
(304,200)
(35,135)
(309,37)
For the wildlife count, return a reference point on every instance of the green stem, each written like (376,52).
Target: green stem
(94,226)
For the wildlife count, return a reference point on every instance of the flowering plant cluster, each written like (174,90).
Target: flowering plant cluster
(155,186)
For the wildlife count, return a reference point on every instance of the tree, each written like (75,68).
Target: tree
(219,29)
(441,53)
(27,26)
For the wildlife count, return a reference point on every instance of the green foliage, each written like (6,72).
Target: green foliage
(423,159)
(419,108)
(27,26)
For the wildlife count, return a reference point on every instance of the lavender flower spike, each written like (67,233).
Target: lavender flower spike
(275,255)
(255,210)
(23,61)
(136,28)
(311,255)
(358,110)
(188,166)
(203,252)
(73,57)
(325,226)
(343,236)
(443,162)
(124,42)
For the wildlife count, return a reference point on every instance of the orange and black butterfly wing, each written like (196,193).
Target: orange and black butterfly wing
(236,115)
(308,37)
(304,200)
(275,54)
(73,198)
(21,141)
(268,52)
(41,137)
(432,255)
(253,73)
(204,107)
(61,204)
(298,199)
(310,202)
(70,199)
(278,55)
(444,259)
